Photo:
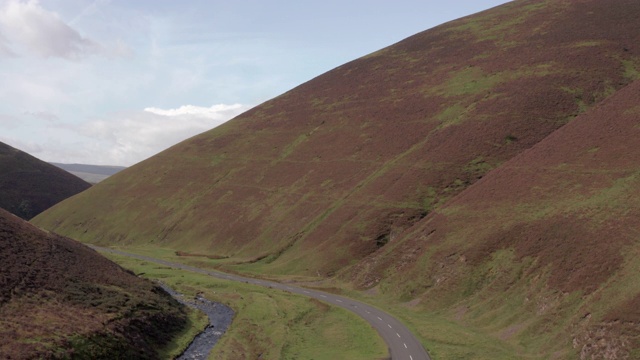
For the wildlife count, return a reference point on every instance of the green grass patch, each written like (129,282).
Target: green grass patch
(196,322)
(478,165)
(494,26)
(496,312)
(290,147)
(587,43)
(453,115)
(270,323)
(631,69)
(468,81)
(443,337)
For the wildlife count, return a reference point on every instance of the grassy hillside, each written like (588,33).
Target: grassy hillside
(29,186)
(333,170)
(60,299)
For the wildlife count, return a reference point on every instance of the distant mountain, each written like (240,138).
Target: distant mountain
(28,185)
(485,170)
(60,299)
(90,173)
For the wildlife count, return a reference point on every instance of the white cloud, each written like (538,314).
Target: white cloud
(42,32)
(42,115)
(127,138)
(89,10)
(118,49)
(215,112)
(123,138)
(30,147)
(9,121)
(5,51)
(30,28)
(29,91)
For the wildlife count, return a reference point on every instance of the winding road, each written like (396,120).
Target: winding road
(401,342)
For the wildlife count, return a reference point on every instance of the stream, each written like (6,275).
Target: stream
(220,317)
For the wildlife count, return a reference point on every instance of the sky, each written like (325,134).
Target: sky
(113,82)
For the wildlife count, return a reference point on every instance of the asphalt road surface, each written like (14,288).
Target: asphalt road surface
(401,342)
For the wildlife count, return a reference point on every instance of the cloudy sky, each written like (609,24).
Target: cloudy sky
(112,82)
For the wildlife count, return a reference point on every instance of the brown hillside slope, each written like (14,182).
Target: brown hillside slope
(29,186)
(332,170)
(546,246)
(60,299)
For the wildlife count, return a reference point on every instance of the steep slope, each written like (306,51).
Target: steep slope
(331,171)
(60,299)
(29,186)
(544,248)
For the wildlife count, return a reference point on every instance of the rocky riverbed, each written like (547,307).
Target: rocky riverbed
(220,317)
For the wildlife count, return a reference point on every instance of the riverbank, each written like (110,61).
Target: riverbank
(220,317)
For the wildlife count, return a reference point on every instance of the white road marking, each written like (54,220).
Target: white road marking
(324,296)
(398,334)
(306,292)
(338,300)
(389,326)
(405,345)
(379,318)
(410,357)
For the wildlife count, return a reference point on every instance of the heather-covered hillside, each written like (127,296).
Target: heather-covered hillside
(333,170)
(29,186)
(60,299)
(547,246)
